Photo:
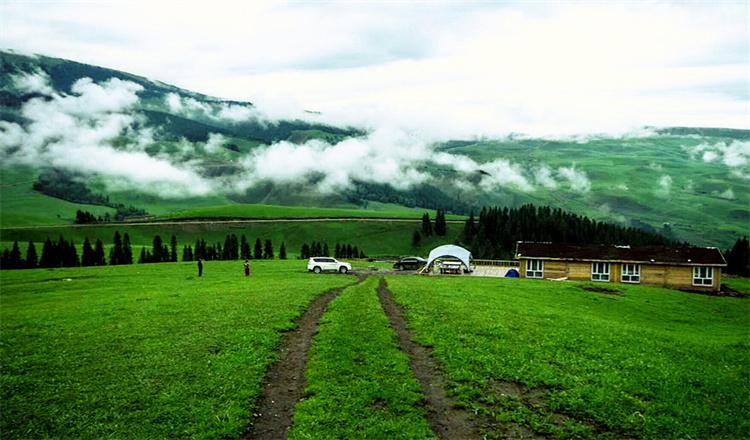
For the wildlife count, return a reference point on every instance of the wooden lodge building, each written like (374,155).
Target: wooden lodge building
(686,268)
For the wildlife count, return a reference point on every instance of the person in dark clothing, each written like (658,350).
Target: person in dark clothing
(247,268)
(200,267)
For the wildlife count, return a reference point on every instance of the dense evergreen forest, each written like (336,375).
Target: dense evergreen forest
(68,186)
(497,230)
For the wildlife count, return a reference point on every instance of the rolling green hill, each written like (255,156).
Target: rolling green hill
(692,184)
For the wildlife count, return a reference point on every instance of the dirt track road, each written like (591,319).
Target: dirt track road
(229,222)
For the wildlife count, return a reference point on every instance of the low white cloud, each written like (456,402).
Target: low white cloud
(215,143)
(35,82)
(735,155)
(79,132)
(578,180)
(727,194)
(543,176)
(502,173)
(664,186)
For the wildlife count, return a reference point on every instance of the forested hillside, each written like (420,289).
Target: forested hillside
(136,146)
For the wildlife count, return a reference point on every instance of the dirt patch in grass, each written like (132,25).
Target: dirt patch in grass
(601,289)
(284,383)
(502,396)
(446,421)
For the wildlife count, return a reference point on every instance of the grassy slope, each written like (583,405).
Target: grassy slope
(648,363)
(143,351)
(22,206)
(153,351)
(625,175)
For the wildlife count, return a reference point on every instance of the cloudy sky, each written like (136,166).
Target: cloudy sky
(456,68)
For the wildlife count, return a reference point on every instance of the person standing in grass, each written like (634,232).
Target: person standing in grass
(247,268)
(200,267)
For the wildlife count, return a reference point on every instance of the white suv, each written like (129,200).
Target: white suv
(319,264)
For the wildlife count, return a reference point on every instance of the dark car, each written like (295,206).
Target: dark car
(409,263)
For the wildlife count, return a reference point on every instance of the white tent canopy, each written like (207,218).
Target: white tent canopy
(450,250)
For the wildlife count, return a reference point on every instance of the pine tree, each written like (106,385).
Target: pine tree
(416,239)
(99,258)
(268,250)
(116,254)
(87,257)
(127,250)
(15,261)
(245,252)
(426,225)
(258,251)
(173,251)
(32,261)
(282,252)
(738,258)
(49,255)
(441,228)
(326,252)
(157,255)
(187,253)
(468,229)
(305,252)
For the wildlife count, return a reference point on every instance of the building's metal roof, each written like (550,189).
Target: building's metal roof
(688,256)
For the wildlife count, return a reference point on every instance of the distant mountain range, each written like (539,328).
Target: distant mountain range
(138,141)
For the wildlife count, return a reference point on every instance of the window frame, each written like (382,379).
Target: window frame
(633,276)
(536,272)
(707,275)
(598,275)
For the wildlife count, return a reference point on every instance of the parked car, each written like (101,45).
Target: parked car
(410,263)
(319,264)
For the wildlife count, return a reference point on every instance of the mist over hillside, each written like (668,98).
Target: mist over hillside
(126,135)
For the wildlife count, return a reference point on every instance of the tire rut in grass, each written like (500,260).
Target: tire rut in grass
(284,383)
(446,421)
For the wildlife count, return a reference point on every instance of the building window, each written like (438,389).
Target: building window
(703,276)
(534,269)
(631,273)
(600,272)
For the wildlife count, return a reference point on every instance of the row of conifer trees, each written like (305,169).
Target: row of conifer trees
(63,253)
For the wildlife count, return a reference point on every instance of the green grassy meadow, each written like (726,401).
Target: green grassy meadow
(565,362)
(143,351)
(153,351)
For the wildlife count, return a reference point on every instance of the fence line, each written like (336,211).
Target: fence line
(504,263)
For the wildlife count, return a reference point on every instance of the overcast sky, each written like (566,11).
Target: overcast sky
(454,69)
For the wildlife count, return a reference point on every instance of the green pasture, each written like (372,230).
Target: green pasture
(20,205)
(706,203)
(143,351)
(561,361)
(153,351)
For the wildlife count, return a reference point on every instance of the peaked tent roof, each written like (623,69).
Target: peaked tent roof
(450,250)
(636,254)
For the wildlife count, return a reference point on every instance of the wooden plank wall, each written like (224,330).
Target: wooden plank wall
(672,277)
